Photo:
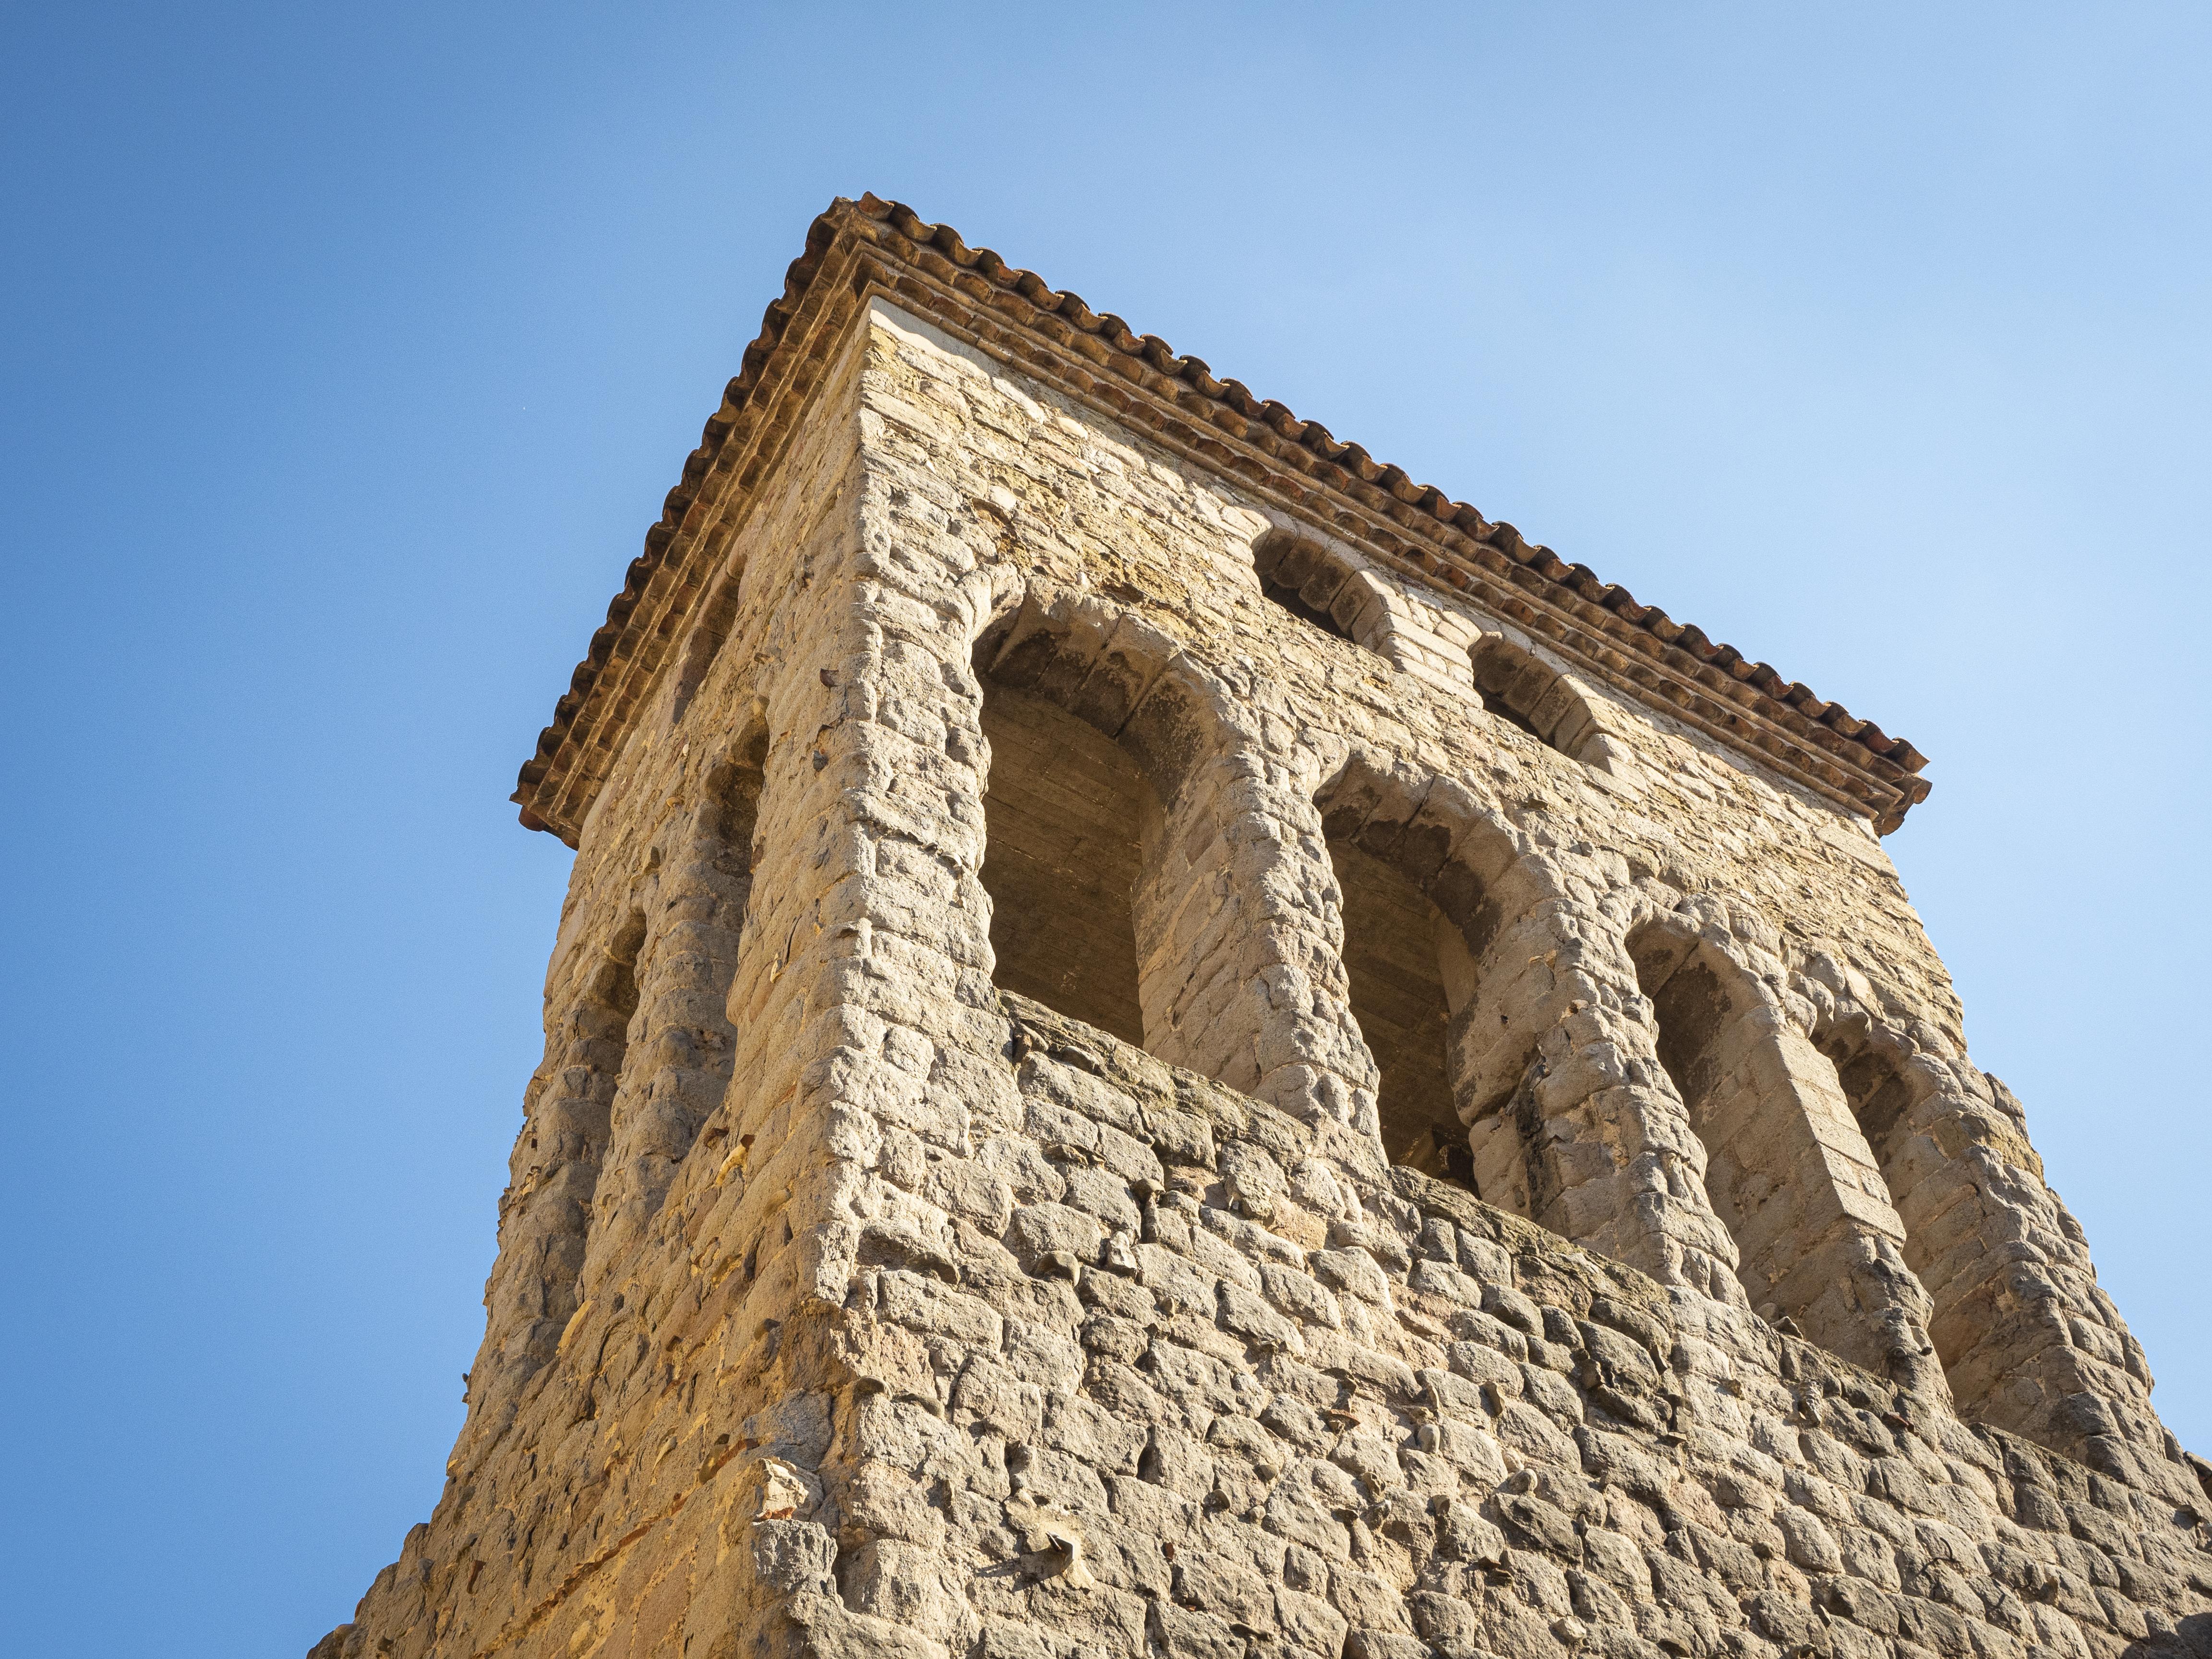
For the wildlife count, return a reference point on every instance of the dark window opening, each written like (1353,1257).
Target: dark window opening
(1525,692)
(733,793)
(1691,1006)
(1062,814)
(572,1130)
(1881,1102)
(1706,1043)
(706,642)
(610,1004)
(1294,602)
(707,896)
(1694,1014)
(1309,582)
(1879,1099)
(1513,717)
(1395,947)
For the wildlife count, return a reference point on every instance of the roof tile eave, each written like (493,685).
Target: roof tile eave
(981,276)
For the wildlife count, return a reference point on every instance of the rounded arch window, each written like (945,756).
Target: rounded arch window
(1522,690)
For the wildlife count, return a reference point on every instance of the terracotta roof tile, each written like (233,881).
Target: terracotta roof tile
(982,279)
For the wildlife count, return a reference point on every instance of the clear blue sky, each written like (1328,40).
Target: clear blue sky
(348,350)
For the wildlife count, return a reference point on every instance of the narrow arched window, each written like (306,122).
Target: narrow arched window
(1312,583)
(564,1147)
(1409,969)
(685,1042)
(1881,1101)
(705,896)
(1064,812)
(1115,895)
(599,1055)
(1522,690)
(1787,1171)
(703,647)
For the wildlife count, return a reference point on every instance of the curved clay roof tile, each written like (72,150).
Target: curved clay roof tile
(1105,339)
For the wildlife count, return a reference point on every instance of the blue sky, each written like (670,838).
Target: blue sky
(349,351)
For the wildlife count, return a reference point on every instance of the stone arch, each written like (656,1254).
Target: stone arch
(702,645)
(1067,810)
(1415,919)
(1331,586)
(1233,949)
(1093,734)
(1788,1170)
(1525,691)
(545,1217)
(1874,1069)
(2017,1320)
(695,896)
(1540,1000)
(1320,585)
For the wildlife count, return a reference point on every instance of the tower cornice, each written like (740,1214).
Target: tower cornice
(857,250)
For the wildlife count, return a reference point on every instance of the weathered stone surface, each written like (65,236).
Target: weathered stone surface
(849,1302)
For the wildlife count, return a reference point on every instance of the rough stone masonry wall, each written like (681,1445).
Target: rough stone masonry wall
(1264,735)
(1425,1428)
(845,1304)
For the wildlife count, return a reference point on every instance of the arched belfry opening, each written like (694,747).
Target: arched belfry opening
(1789,1170)
(1409,969)
(568,1137)
(704,645)
(602,1024)
(708,894)
(1416,921)
(1881,1102)
(1880,1098)
(1091,736)
(1064,812)
(695,896)
(1703,1037)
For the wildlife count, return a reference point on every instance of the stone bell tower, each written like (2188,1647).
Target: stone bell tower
(1164,1041)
